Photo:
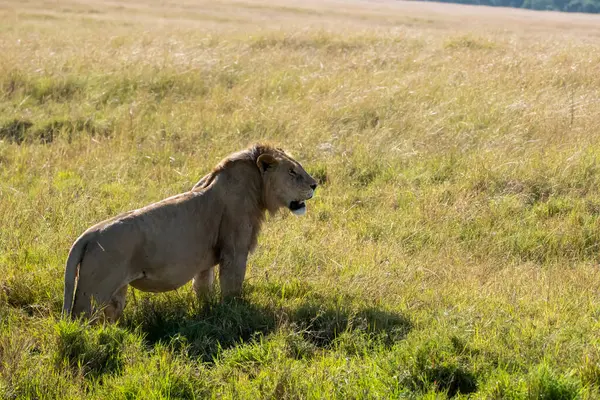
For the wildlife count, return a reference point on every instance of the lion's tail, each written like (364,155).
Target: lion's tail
(75,256)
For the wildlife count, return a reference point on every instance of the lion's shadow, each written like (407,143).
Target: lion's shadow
(203,330)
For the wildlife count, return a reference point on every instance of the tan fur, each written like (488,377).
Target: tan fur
(166,244)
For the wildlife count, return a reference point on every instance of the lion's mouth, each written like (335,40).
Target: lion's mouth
(298,207)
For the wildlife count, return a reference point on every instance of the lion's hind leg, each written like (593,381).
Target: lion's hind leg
(115,307)
(100,285)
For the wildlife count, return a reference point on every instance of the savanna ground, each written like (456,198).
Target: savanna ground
(453,246)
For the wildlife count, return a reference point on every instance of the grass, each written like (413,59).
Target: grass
(451,251)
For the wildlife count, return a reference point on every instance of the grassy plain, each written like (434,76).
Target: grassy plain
(452,249)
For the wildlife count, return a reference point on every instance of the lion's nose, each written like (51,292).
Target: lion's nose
(313,186)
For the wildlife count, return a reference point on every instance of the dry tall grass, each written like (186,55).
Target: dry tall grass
(453,245)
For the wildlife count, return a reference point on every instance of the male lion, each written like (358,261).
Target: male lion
(162,246)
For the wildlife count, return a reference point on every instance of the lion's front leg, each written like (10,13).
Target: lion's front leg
(203,283)
(232,270)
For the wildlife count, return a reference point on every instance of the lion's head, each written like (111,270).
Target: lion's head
(285,182)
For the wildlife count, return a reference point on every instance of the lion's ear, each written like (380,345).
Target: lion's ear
(266,161)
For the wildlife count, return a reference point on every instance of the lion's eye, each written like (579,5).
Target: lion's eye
(292,172)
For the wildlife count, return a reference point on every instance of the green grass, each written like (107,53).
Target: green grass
(451,251)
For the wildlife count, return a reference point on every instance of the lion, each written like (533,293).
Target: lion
(164,245)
